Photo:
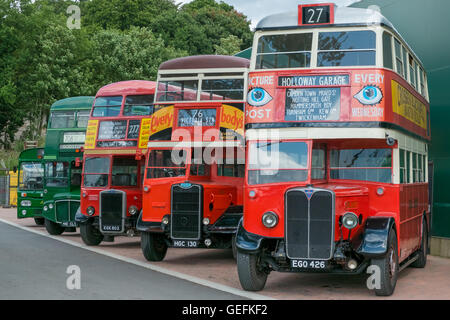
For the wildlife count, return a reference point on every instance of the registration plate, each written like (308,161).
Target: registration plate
(308,264)
(109,228)
(69,224)
(185,244)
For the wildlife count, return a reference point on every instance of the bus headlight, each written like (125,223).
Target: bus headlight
(132,210)
(90,211)
(45,208)
(24,212)
(206,221)
(25,203)
(50,206)
(269,219)
(350,220)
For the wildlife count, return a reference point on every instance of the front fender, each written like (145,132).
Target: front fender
(79,217)
(247,242)
(376,236)
(144,226)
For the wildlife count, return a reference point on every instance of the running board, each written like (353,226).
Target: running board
(408,262)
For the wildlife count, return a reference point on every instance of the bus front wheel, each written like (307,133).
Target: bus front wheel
(39,221)
(91,235)
(53,228)
(388,267)
(252,274)
(153,246)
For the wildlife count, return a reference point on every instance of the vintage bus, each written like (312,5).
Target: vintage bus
(337,135)
(64,140)
(30,191)
(114,160)
(193,185)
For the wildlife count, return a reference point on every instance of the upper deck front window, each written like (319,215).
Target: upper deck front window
(284,51)
(62,119)
(138,105)
(343,49)
(107,106)
(222,89)
(183,90)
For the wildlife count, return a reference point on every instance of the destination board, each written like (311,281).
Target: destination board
(314,81)
(313,104)
(112,130)
(197,117)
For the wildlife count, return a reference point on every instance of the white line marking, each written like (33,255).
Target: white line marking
(202,282)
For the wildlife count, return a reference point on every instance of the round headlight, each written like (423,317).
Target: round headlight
(269,219)
(252,194)
(45,208)
(165,220)
(350,220)
(132,210)
(50,206)
(90,211)
(206,221)
(380,191)
(24,212)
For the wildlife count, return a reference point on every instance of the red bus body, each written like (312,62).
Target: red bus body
(116,137)
(352,144)
(194,205)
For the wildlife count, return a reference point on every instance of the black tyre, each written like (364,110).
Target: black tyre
(53,228)
(233,247)
(91,235)
(153,246)
(252,276)
(39,221)
(389,267)
(423,251)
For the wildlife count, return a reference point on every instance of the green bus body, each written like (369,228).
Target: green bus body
(30,190)
(63,145)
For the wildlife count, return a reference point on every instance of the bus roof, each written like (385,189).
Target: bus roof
(83,102)
(131,87)
(205,62)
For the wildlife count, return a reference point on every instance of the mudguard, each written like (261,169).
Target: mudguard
(376,235)
(246,241)
(144,226)
(79,217)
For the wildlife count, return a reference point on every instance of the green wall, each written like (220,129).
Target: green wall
(425,26)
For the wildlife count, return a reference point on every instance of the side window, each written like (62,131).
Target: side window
(387,51)
(412,71)
(318,170)
(408,167)
(399,59)
(403,171)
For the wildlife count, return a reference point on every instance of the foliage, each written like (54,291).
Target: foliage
(42,60)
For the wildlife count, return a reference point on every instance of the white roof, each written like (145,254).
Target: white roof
(342,15)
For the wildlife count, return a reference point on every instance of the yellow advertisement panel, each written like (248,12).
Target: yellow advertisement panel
(232,118)
(13,183)
(161,120)
(144,134)
(91,134)
(404,103)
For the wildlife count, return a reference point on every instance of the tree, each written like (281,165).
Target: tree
(228,46)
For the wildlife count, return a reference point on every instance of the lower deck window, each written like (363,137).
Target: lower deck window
(166,163)
(124,172)
(362,164)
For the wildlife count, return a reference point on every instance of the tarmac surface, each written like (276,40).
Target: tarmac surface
(118,270)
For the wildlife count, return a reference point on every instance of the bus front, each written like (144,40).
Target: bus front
(337,127)
(114,160)
(64,140)
(193,182)
(30,192)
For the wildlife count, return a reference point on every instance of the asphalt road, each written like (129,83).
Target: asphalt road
(35,267)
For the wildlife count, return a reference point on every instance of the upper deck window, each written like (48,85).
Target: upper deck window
(222,89)
(83,118)
(183,90)
(107,106)
(138,105)
(387,51)
(284,51)
(412,72)
(352,48)
(62,119)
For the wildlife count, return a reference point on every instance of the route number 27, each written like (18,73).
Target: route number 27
(316,15)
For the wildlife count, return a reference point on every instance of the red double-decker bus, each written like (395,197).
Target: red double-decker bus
(337,133)
(193,184)
(114,158)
